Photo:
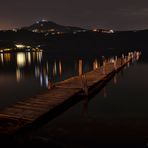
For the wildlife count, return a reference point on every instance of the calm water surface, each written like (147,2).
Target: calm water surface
(25,74)
(117,113)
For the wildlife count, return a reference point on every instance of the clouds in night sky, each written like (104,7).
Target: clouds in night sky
(116,14)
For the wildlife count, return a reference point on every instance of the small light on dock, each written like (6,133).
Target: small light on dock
(95,65)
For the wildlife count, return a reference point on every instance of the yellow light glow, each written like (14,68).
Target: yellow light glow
(7,57)
(39,56)
(18,75)
(2,57)
(20,46)
(7,49)
(29,57)
(21,59)
(95,30)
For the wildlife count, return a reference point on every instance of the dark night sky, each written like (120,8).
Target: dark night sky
(115,14)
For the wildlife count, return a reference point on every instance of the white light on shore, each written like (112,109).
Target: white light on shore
(20,46)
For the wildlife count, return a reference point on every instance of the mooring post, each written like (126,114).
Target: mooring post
(83,78)
(122,59)
(95,65)
(80,67)
(60,69)
(115,63)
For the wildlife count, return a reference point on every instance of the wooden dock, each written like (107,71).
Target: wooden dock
(29,110)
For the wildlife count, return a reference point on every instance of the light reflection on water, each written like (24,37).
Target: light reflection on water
(44,69)
(27,73)
(122,101)
(117,113)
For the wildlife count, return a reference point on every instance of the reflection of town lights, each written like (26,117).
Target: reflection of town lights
(7,57)
(18,75)
(29,57)
(39,56)
(41,79)
(47,66)
(55,68)
(21,59)
(37,72)
(60,68)
(46,81)
(2,58)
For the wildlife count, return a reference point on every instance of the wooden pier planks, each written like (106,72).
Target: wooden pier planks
(32,108)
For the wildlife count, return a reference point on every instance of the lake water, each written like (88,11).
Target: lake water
(117,113)
(25,74)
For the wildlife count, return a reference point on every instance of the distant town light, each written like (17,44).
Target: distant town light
(51,30)
(44,20)
(111,31)
(20,46)
(35,30)
(7,49)
(95,30)
(14,30)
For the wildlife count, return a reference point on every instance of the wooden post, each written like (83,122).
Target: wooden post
(80,67)
(115,64)
(60,69)
(122,59)
(95,65)
(83,78)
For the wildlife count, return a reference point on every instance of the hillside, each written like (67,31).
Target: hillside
(45,26)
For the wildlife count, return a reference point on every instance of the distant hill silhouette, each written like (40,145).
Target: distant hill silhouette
(44,26)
